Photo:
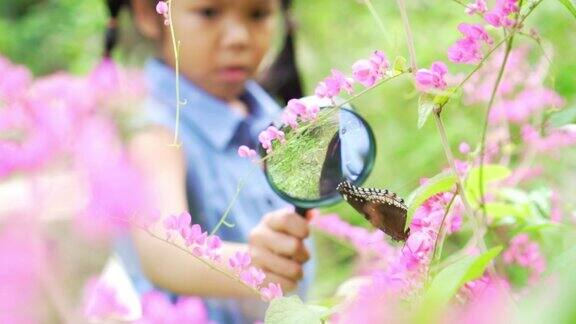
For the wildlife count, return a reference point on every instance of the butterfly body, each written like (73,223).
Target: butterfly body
(382,208)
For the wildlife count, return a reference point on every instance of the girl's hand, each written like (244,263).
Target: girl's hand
(277,246)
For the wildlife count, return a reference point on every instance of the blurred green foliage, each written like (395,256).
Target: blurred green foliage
(54,35)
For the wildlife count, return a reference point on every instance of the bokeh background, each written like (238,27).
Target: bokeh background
(54,35)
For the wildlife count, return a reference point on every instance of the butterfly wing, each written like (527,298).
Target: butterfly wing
(383,209)
(389,218)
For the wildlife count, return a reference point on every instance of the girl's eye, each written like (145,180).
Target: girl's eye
(259,14)
(208,12)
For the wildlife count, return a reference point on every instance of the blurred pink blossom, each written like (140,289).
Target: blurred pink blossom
(433,78)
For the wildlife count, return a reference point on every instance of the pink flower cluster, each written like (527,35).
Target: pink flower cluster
(246,152)
(526,253)
(268,135)
(200,243)
(157,308)
(369,243)
(240,262)
(555,139)
(207,246)
(368,71)
(101,302)
(433,78)
(23,265)
(478,6)
(332,85)
(468,50)
(499,16)
(365,71)
(525,104)
(405,267)
(297,108)
(521,93)
(163,9)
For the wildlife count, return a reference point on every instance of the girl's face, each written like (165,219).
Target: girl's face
(222,42)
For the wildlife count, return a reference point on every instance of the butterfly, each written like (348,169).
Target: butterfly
(382,208)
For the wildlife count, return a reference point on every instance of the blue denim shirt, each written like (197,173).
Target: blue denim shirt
(211,133)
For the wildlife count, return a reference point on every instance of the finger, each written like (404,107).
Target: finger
(280,243)
(287,221)
(277,264)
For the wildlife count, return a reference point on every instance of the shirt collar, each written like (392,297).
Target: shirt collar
(211,116)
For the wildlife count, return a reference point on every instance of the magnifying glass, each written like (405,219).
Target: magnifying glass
(337,146)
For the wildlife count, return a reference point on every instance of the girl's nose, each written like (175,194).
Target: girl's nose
(235,34)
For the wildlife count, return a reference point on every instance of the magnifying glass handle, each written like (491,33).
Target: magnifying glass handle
(302,211)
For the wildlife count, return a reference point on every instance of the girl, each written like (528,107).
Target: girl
(222,45)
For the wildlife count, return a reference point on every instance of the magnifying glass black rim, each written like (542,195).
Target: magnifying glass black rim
(326,201)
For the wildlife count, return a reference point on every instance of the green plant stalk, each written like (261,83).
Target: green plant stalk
(440,237)
(176,49)
(409,37)
(377,18)
(478,230)
(518,22)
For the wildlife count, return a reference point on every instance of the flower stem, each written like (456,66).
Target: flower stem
(479,228)
(176,49)
(409,36)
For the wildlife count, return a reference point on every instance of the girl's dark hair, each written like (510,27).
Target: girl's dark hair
(111,36)
(281,80)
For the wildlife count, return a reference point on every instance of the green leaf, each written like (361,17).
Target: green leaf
(425,107)
(442,98)
(441,182)
(499,210)
(447,282)
(563,117)
(570,6)
(400,64)
(492,172)
(288,310)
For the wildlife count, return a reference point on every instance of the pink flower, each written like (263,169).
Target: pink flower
(525,253)
(380,63)
(157,308)
(434,78)
(176,223)
(290,118)
(296,107)
(363,72)
(478,6)
(499,15)
(468,49)
(265,140)
(333,84)
(475,32)
(275,133)
(340,80)
(367,72)
(312,111)
(101,301)
(193,234)
(240,261)
(162,8)
(253,276)
(464,148)
(271,292)
(245,152)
